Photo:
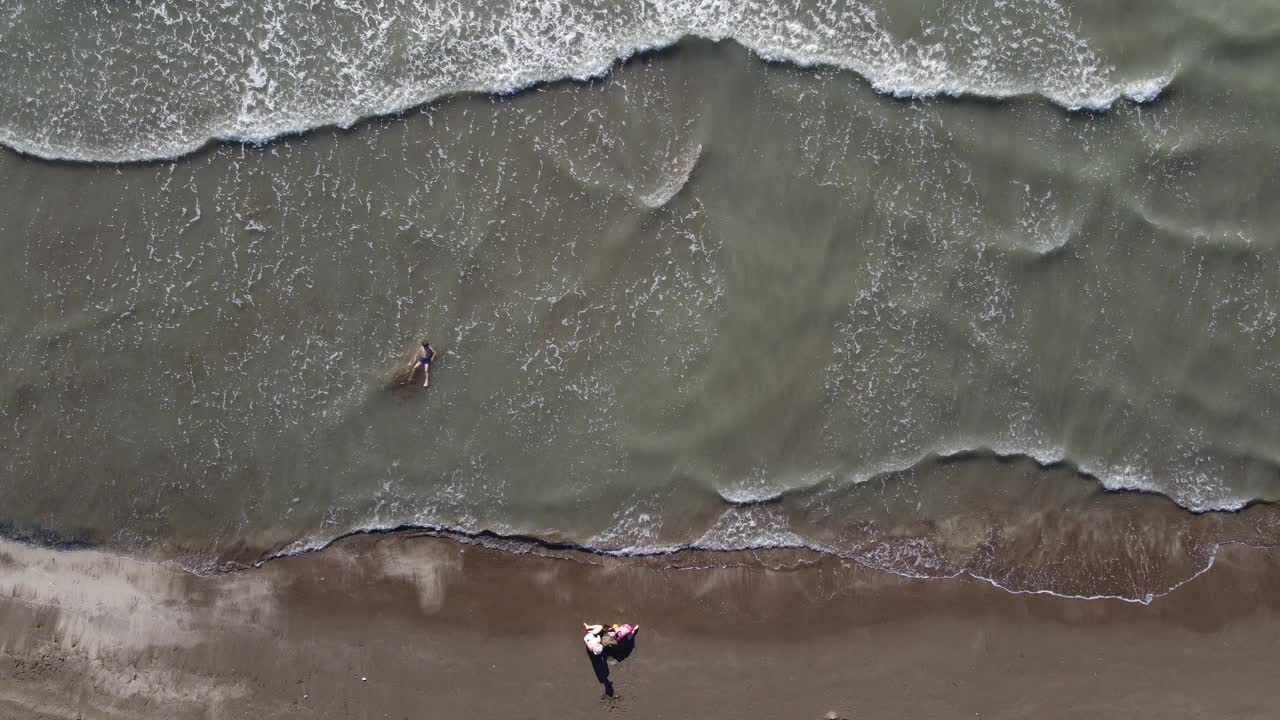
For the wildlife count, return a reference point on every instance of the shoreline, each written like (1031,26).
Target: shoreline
(443,627)
(1019,524)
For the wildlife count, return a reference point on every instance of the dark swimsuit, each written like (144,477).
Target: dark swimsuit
(426,360)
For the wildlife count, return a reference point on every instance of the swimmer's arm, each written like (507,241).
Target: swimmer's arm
(414,361)
(593,629)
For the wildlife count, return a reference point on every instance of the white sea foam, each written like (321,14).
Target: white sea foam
(750,528)
(243,73)
(1144,599)
(763,528)
(671,186)
(749,496)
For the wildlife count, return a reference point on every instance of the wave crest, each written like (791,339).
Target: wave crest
(159,82)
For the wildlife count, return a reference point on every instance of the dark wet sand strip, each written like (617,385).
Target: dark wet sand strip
(400,626)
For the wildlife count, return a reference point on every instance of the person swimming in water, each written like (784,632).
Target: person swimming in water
(423,357)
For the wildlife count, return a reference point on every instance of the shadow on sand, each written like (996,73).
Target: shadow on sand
(600,663)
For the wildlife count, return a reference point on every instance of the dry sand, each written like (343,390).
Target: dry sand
(411,626)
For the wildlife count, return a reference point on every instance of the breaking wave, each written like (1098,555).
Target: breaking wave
(1077,544)
(153,80)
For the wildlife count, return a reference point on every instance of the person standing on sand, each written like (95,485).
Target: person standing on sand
(598,638)
(423,357)
(592,638)
(624,631)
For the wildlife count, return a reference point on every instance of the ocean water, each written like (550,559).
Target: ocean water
(925,284)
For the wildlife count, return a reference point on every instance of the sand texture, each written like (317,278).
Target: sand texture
(407,626)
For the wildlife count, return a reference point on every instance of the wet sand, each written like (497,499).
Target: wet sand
(405,626)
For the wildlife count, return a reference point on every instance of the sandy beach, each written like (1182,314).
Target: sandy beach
(412,626)
(879,359)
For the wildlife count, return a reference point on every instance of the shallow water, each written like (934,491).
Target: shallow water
(698,281)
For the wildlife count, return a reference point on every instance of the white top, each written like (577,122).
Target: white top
(593,643)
